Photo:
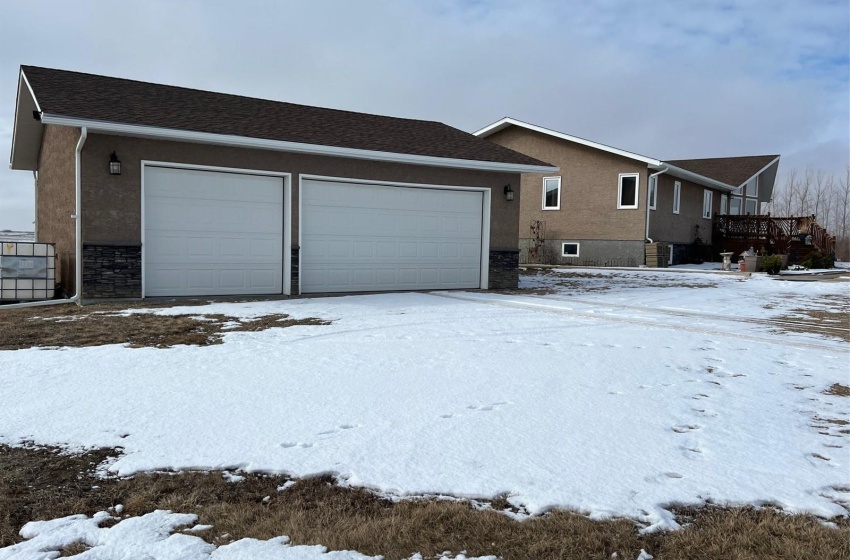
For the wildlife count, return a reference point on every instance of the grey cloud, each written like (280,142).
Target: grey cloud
(668,79)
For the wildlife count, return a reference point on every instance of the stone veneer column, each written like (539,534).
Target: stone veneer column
(112,271)
(504,269)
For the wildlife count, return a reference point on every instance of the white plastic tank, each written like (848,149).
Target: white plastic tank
(27,271)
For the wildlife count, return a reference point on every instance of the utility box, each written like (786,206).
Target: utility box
(27,271)
(657,255)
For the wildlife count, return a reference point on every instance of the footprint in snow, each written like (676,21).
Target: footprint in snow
(664,477)
(692,452)
(289,445)
(338,429)
(684,428)
(705,413)
(446,415)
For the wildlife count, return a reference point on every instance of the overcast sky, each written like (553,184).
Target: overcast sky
(668,79)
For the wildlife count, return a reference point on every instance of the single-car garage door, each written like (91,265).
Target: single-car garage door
(211,233)
(366,237)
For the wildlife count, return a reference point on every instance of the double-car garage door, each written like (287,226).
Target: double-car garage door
(221,233)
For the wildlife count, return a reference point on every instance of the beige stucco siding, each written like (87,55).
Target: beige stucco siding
(589,187)
(55,198)
(112,204)
(667,227)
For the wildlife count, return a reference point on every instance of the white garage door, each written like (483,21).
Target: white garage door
(212,233)
(363,237)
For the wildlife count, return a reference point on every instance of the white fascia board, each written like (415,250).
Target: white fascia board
(699,179)
(759,172)
(507,121)
(284,146)
(22,81)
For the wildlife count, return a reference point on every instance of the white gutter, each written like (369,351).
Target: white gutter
(648,181)
(78,235)
(698,179)
(285,146)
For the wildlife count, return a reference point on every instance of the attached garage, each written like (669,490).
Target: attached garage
(360,236)
(182,192)
(211,232)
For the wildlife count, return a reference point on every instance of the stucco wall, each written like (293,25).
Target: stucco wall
(55,199)
(667,227)
(589,179)
(112,204)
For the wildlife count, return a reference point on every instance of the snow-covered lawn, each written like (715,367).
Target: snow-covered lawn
(613,393)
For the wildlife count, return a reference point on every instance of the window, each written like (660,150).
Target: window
(551,193)
(670,255)
(653,192)
(751,206)
(735,206)
(677,196)
(569,249)
(706,203)
(739,191)
(724,202)
(627,193)
(753,187)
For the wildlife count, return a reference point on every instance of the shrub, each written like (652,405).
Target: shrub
(772,264)
(819,260)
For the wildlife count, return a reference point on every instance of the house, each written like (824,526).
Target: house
(155,190)
(606,204)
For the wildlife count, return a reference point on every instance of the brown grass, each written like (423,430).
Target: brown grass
(838,390)
(95,325)
(38,483)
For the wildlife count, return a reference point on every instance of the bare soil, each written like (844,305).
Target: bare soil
(96,325)
(42,483)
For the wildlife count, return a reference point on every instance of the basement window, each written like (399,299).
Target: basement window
(569,249)
(627,192)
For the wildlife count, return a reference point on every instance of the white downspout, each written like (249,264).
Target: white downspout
(78,231)
(649,182)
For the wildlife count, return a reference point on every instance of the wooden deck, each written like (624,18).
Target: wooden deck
(795,236)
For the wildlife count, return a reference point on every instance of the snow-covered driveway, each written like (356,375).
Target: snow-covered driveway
(589,401)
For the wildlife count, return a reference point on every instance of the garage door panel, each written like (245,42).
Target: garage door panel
(360,237)
(212,233)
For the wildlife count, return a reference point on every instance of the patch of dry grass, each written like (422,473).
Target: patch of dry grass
(96,325)
(838,390)
(40,483)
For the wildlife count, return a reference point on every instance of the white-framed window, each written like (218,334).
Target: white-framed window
(751,206)
(653,192)
(735,204)
(677,196)
(724,203)
(627,191)
(739,191)
(569,249)
(551,193)
(753,187)
(707,196)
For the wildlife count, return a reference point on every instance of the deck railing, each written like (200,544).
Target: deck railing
(774,232)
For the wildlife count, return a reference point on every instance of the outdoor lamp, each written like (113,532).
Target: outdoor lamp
(114,164)
(509,193)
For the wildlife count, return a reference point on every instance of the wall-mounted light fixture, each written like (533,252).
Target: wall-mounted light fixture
(509,193)
(114,164)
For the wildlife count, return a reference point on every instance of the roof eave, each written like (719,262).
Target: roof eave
(699,179)
(26,130)
(285,146)
(508,121)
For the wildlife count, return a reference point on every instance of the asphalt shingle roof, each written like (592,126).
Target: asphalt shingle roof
(117,100)
(730,170)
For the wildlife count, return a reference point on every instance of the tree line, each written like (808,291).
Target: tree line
(816,192)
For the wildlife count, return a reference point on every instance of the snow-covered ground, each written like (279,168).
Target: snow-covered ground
(610,392)
(156,536)
(9,235)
